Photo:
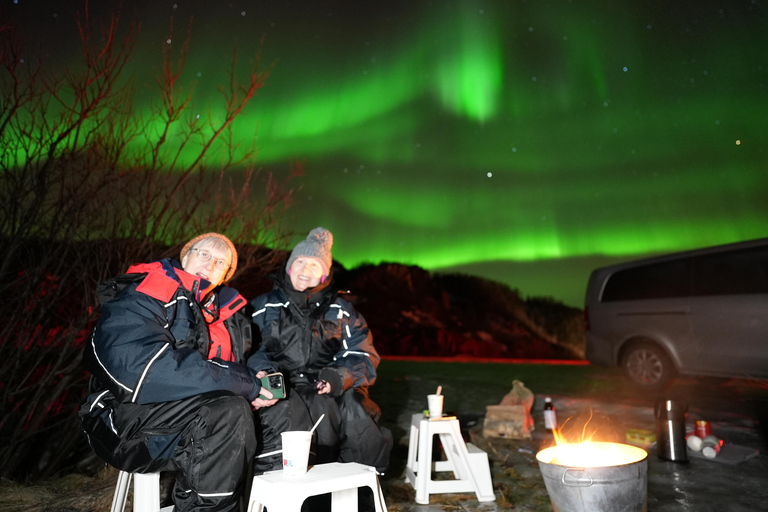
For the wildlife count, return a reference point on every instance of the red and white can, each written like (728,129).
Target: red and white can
(703,428)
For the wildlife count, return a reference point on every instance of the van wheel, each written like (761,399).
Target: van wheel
(647,366)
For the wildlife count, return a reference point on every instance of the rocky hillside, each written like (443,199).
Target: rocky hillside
(413,312)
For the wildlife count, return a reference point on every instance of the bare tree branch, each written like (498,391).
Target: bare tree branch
(88,186)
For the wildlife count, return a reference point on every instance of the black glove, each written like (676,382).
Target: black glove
(332,377)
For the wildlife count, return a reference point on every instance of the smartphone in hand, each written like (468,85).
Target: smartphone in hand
(275,383)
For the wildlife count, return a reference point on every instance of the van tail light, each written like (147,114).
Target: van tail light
(586,318)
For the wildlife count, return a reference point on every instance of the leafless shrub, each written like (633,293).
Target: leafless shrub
(89,185)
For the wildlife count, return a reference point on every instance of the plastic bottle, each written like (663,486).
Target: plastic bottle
(550,418)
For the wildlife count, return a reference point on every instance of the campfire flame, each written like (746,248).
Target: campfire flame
(591,454)
(588,453)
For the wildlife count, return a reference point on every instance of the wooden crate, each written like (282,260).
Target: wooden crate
(509,421)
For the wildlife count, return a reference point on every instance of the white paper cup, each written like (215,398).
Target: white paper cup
(435,403)
(296,452)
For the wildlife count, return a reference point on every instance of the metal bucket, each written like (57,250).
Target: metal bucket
(621,488)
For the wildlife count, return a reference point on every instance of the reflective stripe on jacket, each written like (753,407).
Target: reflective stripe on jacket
(326,332)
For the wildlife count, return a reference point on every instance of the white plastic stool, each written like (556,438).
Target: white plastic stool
(146,492)
(468,463)
(277,493)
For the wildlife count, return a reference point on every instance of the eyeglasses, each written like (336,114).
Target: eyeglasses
(206,256)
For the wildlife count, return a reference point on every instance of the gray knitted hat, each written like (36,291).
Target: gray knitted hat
(317,245)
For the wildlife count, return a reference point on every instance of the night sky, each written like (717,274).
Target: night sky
(524,141)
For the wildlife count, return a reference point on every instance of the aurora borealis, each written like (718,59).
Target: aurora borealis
(524,141)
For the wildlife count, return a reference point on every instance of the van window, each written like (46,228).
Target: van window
(731,273)
(655,281)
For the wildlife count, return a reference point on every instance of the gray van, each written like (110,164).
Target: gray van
(701,312)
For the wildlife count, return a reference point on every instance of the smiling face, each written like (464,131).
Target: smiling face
(305,272)
(209,260)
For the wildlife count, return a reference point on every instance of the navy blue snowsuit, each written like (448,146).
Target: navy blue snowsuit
(159,402)
(317,335)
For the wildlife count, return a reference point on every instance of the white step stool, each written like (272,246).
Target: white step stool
(468,463)
(277,493)
(146,492)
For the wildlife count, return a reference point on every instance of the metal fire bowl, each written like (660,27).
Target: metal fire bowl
(608,488)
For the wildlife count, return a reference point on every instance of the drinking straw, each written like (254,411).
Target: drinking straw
(317,423)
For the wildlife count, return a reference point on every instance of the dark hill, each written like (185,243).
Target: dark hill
(413,312)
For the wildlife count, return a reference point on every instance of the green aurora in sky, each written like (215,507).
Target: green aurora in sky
(524,141)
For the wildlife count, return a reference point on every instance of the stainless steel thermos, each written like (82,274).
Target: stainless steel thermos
(670,430)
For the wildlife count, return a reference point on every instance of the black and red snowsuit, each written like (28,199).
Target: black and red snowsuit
(160,402)
(310,336)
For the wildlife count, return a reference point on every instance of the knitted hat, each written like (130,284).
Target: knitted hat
(222,238)
(317,245)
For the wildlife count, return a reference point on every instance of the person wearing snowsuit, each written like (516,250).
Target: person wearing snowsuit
(171,388)
(325,351)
